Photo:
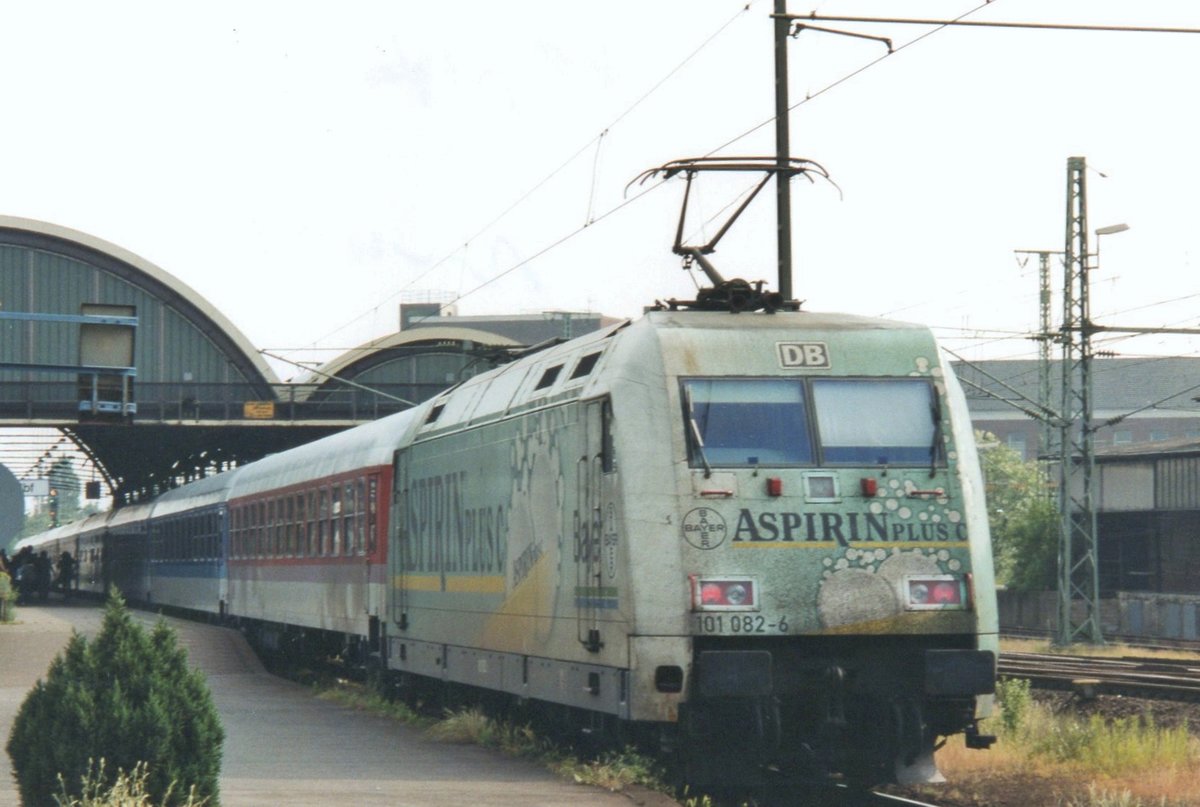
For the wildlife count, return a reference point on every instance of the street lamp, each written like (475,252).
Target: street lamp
(1109,230)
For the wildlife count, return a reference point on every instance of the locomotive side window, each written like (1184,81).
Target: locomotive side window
(585,365)
(869,422)
(548,377)
(747,422)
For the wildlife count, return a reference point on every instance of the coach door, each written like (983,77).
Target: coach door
(592,594)
(397,540)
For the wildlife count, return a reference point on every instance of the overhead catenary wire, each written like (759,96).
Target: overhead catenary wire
(856,72)
(593,142)
(567,237)
(596,142)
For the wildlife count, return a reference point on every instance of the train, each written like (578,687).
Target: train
(756,541)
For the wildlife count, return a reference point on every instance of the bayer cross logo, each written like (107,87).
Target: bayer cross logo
(704,528)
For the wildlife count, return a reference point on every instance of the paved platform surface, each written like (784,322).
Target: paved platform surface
(284,746)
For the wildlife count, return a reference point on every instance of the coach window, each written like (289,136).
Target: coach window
(877,422)
(280,527)
(310,514)
(335,523)
(313,508)
(289,530)
(348,518)
(353,539)
(746,422)
(323,521)
(301,527)
(360,519)
(372,513)
(259,515)
(283,511)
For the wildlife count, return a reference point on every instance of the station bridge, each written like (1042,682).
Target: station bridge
(155,386)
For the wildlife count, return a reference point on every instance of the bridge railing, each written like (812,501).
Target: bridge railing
(197,401)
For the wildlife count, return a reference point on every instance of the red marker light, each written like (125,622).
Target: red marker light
(870,486)
(723,594)
(934,592)
(947,593)
(774,486)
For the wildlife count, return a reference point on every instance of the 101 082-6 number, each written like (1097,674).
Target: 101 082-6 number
(739,623)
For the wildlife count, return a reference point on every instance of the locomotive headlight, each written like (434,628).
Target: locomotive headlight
(723,593)
(736,594)
(942,592)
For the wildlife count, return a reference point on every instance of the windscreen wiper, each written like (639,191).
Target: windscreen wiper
(937,451)
(695,429)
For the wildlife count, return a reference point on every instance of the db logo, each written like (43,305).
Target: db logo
(803,354)
(704,528)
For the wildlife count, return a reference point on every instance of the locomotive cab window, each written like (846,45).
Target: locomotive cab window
(877,422)
(746,422)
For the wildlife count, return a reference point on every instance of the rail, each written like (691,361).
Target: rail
(1158,678)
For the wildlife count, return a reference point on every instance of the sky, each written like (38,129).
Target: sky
(307,166)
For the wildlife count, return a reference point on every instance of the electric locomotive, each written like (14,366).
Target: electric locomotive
(758,539)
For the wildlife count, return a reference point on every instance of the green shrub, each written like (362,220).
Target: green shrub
(127,697)
(1014,696)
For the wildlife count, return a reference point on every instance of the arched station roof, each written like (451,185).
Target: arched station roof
(87,269)
(189,362)
(409,366)
(355,361)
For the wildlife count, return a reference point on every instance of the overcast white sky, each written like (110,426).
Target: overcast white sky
(303,165)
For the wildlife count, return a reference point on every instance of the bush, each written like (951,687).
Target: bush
(1014,696)
(127,697)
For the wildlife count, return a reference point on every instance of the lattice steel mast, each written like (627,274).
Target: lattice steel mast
(1078,557)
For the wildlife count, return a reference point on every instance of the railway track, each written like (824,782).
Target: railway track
(1130,640)
(1165,679)
(885,799)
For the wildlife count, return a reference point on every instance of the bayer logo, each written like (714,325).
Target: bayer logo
(704,528)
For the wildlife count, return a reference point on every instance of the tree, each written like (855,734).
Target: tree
(126,697)
(1023,516)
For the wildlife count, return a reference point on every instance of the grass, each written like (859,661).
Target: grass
(1128,762)
(613,770)
(367,700)
(127,790)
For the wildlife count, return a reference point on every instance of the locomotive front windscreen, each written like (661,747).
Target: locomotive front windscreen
(861,422)
(748,422)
